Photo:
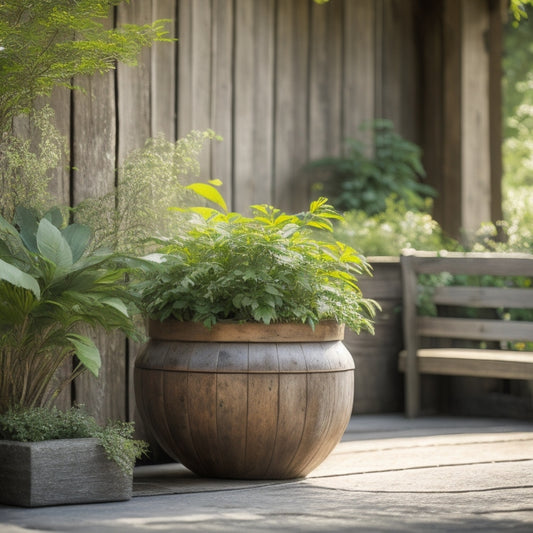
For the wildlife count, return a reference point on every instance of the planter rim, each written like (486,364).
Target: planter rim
(175,330)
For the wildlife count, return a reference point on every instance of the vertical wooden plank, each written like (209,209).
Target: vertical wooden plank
(60,185)
(325,98)
(134,119)
(450,193)
(476,177)
(292,190)
(432,118)
(59,188)
(497,10)
(359,66)
(400,72)
(378,54)
(412,376)
(254,103)
(163,75)
(222,94)
(93,156)
(194,76)
(393,51)
(133,85)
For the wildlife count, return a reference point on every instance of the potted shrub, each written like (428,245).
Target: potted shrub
(95,463)
(49,287)
(245,374)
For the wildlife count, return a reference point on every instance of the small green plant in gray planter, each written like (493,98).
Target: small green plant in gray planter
(50,457)
(245,374)
(49,287)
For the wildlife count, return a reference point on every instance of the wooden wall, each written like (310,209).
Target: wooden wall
(283,82)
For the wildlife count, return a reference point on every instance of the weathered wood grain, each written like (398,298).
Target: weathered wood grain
(94,144)
(195,72)
(254,103)
(325,81)
(236,420)
(163,75)
(291,187)
(475,131)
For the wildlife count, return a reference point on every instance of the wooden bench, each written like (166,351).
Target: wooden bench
(464,354)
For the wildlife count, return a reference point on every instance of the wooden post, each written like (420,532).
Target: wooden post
(462,42)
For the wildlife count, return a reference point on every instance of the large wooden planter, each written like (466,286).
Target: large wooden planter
(246,401)
(54,472)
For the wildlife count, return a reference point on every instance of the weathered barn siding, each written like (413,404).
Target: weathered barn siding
(283,82)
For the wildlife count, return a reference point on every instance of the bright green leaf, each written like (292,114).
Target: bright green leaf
(209,193)
(87,352)
(17,277)
(53,245)
(77,237)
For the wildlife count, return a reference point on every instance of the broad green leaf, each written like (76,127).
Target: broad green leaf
(55,216)
(10,236)
(324,225)
(216,182)
(87,352)
(117,304)
(28,224)
(17,277)
(53,245)
(77,237)
(209,193)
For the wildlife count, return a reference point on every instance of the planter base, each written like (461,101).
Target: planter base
(56,472)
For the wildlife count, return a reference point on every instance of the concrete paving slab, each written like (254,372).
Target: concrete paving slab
(388,474)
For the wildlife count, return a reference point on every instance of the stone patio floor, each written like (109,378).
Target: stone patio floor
(431,474)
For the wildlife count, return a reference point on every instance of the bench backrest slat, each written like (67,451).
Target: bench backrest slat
(475,329)
(494,297)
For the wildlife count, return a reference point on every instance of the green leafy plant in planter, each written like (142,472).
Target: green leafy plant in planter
(247,316)
(265,268)
(40,423)
(48,288)
(358,181)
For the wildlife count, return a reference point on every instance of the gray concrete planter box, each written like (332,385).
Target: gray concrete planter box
(56,472)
